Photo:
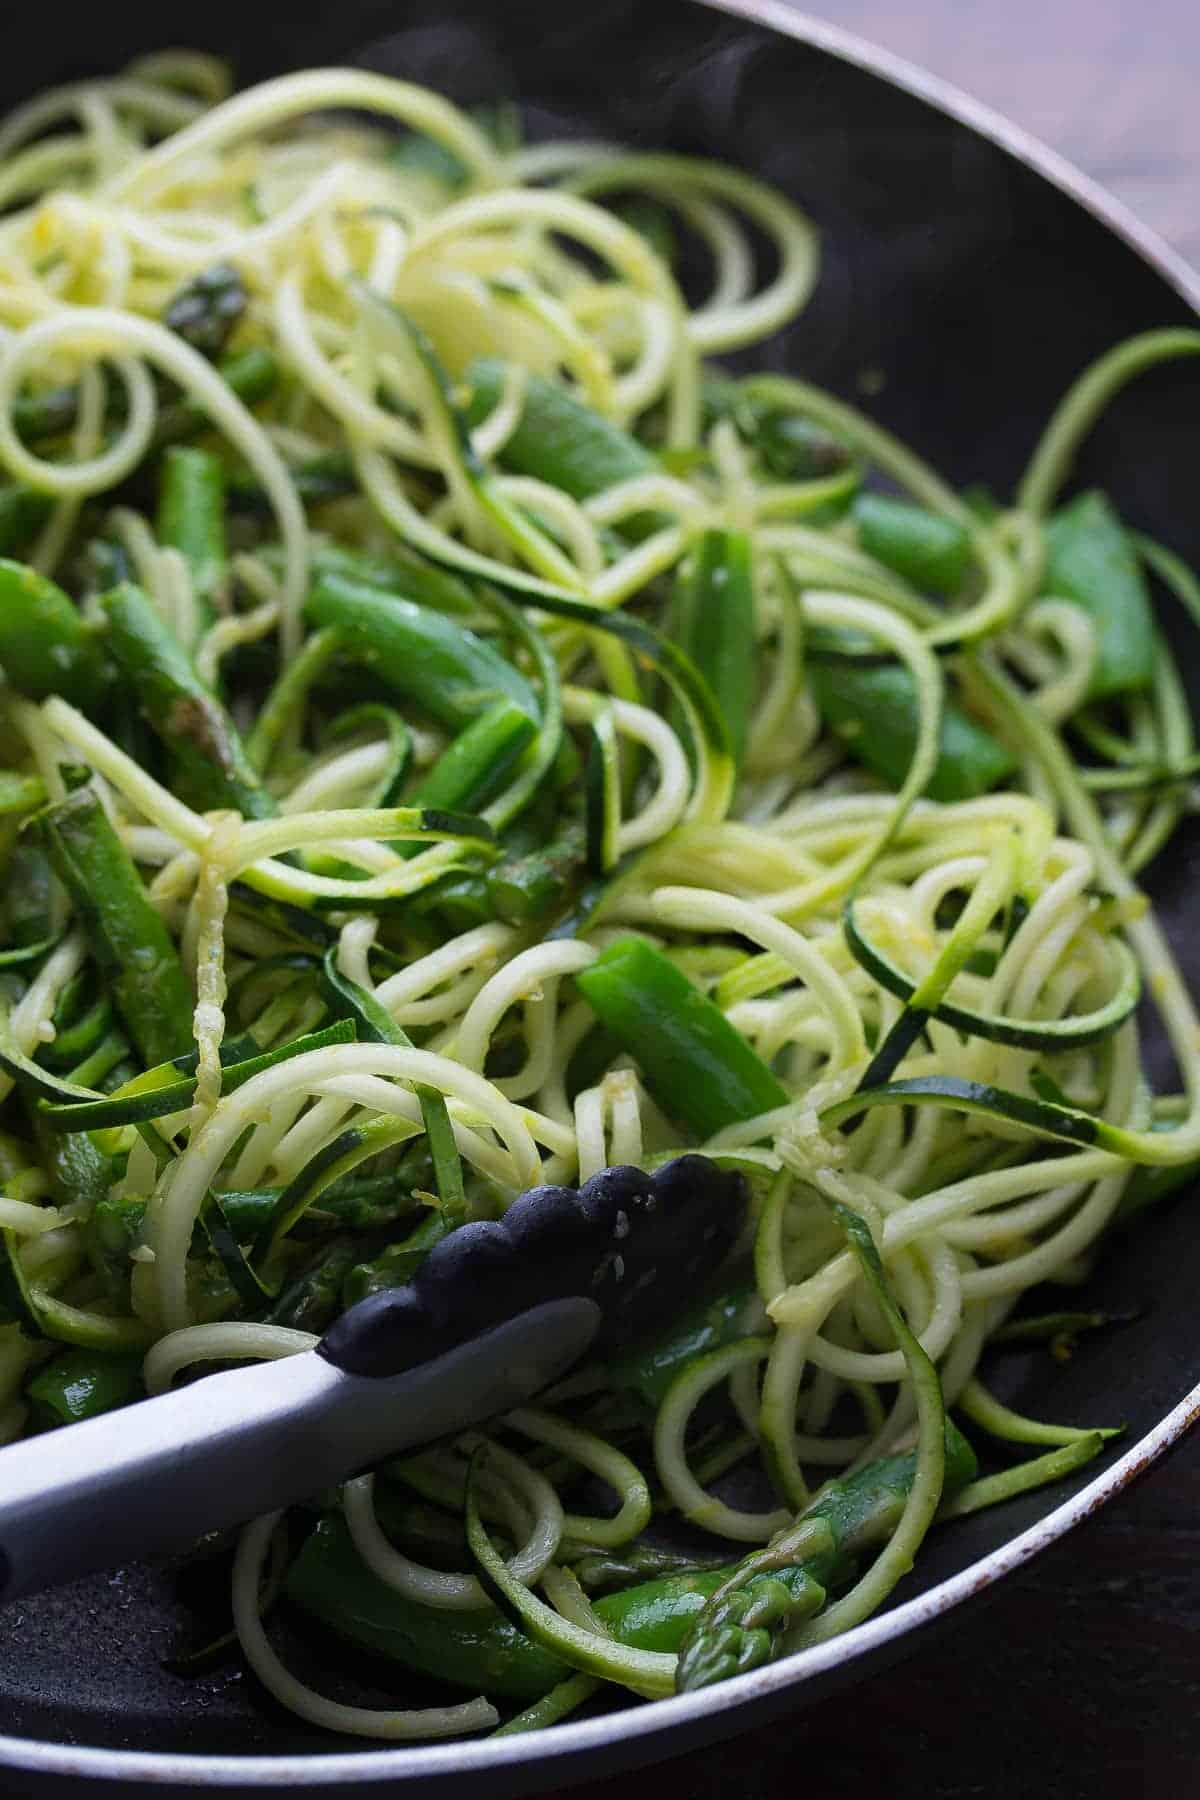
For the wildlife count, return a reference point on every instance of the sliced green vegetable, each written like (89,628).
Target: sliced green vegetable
(473,769)
(926,548)
(713,620)
(210,766)
(82,1384)
(698,1066)
(374,1024)
(191,519)
(1000,1028)
(45,647)
(132,946)
(872,707)
(450,672)
(558,438)
(1091,560)
(162,1091)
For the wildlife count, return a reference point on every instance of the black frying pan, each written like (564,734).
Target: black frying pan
(976,276)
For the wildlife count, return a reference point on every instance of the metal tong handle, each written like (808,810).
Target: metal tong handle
(159,1474)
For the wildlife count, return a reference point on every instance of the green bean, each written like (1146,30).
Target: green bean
(446,669)
(1092,561)
(82,1384)
(698,1067)
(713,621)
(929,550)
(205,311)
(132,947)
(45,646)
(211,767)
(872,707)
(191,519)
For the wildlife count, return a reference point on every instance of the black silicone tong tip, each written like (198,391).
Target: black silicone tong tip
(638,1244)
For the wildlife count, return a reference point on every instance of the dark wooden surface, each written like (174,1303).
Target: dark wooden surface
(1079,1679)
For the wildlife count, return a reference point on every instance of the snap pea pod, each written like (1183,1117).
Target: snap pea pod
(80,1172)
(744,1623)
(1091,561)
(212,770)
(649,1368)
(45,646)
(82,1384)
(872,707)
(132,946)
(713,620)
(698,1066)
(191,519)
(424,656)
(560,440)
(482,1651)
(926,548)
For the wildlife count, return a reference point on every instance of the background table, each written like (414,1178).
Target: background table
(1079,1678)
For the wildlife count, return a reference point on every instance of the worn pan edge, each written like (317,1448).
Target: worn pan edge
(700,1715)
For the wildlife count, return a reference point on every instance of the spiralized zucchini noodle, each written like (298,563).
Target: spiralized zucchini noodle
(401,610)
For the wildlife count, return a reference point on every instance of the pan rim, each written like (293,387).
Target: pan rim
(569,1741)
